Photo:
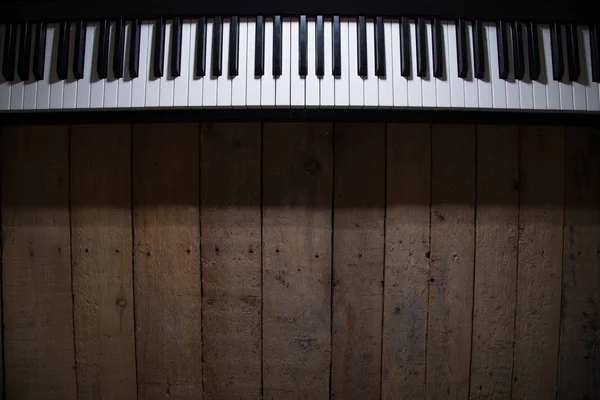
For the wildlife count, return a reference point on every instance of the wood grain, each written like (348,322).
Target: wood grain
(231,259)
(39,355)
(167,260)
(407,259)
(579,353)
(451,280)
(297,193)
(542,171)
(496,246)
(358,260)
(102,264)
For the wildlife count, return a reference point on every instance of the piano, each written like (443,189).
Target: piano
(529,57)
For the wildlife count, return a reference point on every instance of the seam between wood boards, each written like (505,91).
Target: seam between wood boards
(385,186)
(331,258)
(430,255)
(132,219)
(199,152)
(474,264)
(70,208)
(2,338)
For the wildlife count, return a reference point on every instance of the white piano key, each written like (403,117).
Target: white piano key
(70,90)
(17,87)
(43,87)
(84,85)
(180,91)
(195,82)
(311,80)
(428,82)
(484,86)
(297,83)
(209,88)
(167,82)
(415,96)
(525,84)
(386,84)
(152,82)
(224,81)
(4,85)
(252,81)
(552,89)
(564,86)
(267,82)
(442,85)
(470,83)
(400,88)
(355,81)
(125,83)
(342,82)
(30,89)
(513,101)
(498,85)
(138,86)
(540,101)
(282,83)
(591,88)
(371,82)
(111,85)
(327,81)
(579,95)
(56,85)
(457,89)
(238,86)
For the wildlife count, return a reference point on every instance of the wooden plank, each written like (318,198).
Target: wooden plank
(579,355)
(407,259)
(451,280)
(167,260)
(496,245)
(297,193)
(231,259)
(39,356)
(542,168)
(358,260)
(102,264)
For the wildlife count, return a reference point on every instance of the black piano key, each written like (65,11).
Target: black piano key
(39,52)
(119,49)
(421,48)
(217,47)
(103,43)
(362,47)
(79,50)
(320,46)
(303,47)
(379,47)
(462,49)
(558,63)
(159,47)
(277,43)
(573,53)
(23,66)
(518,51)
(478,49)
(62,59)
(438,48)
(134,48)
(10,50)
(404,47)
(533,51)
(234,44)
(201,47)
(337,47)
(176,37)
(502,40)
(259,47)
(595,51)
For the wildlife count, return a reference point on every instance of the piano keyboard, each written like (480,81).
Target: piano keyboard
(299,63)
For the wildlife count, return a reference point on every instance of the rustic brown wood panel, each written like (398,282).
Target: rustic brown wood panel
(407,259)
(297,193)
(102,265)
(231,259)
(39,355)
(496,245)
(358,260)
(451,281)
(579,353)
(542,172)
(167,260)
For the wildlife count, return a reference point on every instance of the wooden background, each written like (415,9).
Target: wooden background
(300,261)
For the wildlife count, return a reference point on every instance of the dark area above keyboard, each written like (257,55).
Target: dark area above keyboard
(581,11)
